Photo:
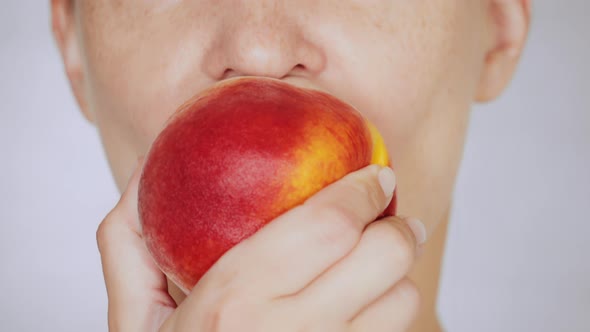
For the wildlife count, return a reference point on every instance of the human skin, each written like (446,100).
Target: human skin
(413,68)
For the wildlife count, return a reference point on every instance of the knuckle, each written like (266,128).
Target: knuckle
(105,230)
(401,250)
(369,192)
(102,235)
(338,227)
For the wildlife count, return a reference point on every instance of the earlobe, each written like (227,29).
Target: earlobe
(64,32)
(509,24)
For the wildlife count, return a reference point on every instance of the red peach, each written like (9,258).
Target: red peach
(236,157)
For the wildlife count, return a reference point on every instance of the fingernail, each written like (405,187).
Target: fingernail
(387,180)
(418,229)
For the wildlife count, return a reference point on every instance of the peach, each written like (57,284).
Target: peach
(236,157)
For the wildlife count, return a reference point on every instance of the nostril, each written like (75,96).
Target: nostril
(298,69)
(229,73)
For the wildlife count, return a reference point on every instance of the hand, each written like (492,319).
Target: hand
(322,266)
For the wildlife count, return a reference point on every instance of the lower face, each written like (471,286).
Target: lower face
(411,67)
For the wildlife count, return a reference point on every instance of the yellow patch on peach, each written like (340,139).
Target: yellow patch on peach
(315,167)
(380,156)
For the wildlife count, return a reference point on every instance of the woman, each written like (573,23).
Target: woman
(412,67)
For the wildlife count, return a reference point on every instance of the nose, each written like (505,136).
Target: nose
(261,40)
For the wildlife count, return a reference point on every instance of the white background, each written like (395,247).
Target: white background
(517,257)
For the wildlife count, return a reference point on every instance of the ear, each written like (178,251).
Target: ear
(64,32)
(509,25)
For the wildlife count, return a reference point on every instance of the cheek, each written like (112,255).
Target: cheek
(139,70)
(416,68)
(417,86)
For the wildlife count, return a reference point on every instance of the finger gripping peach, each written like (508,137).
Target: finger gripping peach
(236,157)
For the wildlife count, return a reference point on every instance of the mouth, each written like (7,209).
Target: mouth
(296,81)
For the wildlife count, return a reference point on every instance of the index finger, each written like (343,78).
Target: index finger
(137,290)
(295,248)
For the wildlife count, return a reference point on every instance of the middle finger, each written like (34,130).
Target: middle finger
(383,256)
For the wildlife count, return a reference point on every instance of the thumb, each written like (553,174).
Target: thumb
(137,289)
